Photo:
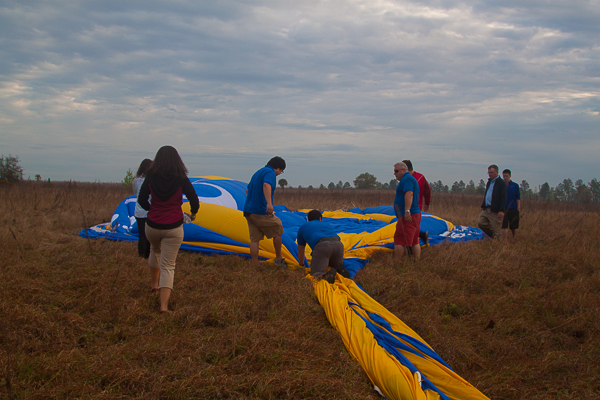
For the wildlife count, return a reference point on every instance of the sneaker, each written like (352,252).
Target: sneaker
(280,263)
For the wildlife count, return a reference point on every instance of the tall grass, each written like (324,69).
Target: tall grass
(518,319)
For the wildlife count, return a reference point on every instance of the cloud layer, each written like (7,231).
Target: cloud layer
(90,88)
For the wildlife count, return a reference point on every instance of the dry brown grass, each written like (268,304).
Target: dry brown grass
(77,319)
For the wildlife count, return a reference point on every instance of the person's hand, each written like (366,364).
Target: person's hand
(426,208)
(269,209)
(407,217)
(500,215)
(187,217)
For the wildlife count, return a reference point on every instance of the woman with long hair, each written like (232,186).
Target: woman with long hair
(166,181)
(140,213)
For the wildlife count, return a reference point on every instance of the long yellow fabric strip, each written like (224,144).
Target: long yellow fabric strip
(394,379)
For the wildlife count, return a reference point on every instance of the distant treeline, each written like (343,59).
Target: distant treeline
(566,191)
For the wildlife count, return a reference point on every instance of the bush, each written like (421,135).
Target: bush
(10,169)
(127,182)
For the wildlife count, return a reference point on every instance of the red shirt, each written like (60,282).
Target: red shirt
(424,189)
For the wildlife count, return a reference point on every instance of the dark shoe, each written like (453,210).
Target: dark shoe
(330,276)
(280,263)
(343,271)
(424,236)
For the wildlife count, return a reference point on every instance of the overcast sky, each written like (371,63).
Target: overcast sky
(337,88)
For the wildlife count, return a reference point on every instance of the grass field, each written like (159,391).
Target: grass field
(518,319)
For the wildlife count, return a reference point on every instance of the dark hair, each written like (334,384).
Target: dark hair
(167,164)
(277,163)
(408,164)
(507,171)
(144,165)
(493,166)
(314,215)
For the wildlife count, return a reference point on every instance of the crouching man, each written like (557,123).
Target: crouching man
(327,248)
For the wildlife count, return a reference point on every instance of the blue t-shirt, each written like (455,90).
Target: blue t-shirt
(407,184)
(312,231)
(255,200)
(513,193)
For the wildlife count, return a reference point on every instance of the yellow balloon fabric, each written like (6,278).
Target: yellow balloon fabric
(394,379)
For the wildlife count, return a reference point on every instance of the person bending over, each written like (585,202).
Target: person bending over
(327,248)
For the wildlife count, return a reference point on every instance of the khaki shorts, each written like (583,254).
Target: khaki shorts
(263,225)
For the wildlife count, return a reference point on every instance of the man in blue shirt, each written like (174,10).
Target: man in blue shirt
(258,209)
(327,248)
(406,206)
(494,203)
(513,205)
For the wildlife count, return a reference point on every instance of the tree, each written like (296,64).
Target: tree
(10,168)
(470,188)
(565,191)
(331,185)
(365,181)
(595,189)
(393,184)
(127,182)
(481,187)
(544,191)
(322,186)
(458,187)
(283,183)
(583,194)
(439,187)
(339,185)
(347,185)
(526,191)
(38,178)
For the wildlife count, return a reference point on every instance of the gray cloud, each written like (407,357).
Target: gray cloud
(88,89)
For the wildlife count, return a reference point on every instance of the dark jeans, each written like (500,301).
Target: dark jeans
(143,243)
(328,253)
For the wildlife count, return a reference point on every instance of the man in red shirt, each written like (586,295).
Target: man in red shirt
(424,194)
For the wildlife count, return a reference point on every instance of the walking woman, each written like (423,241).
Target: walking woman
(140,213)
(166,181)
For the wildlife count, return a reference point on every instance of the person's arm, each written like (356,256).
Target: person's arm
(519,205)
(426,195)
(301,250)
(503,196)
(408,198)
(267,194)
(190,193)
(397,211)
(144,195)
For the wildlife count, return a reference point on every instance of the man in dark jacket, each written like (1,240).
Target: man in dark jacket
(494,203)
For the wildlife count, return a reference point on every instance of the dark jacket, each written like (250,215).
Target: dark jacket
(165,210)
(498,195)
